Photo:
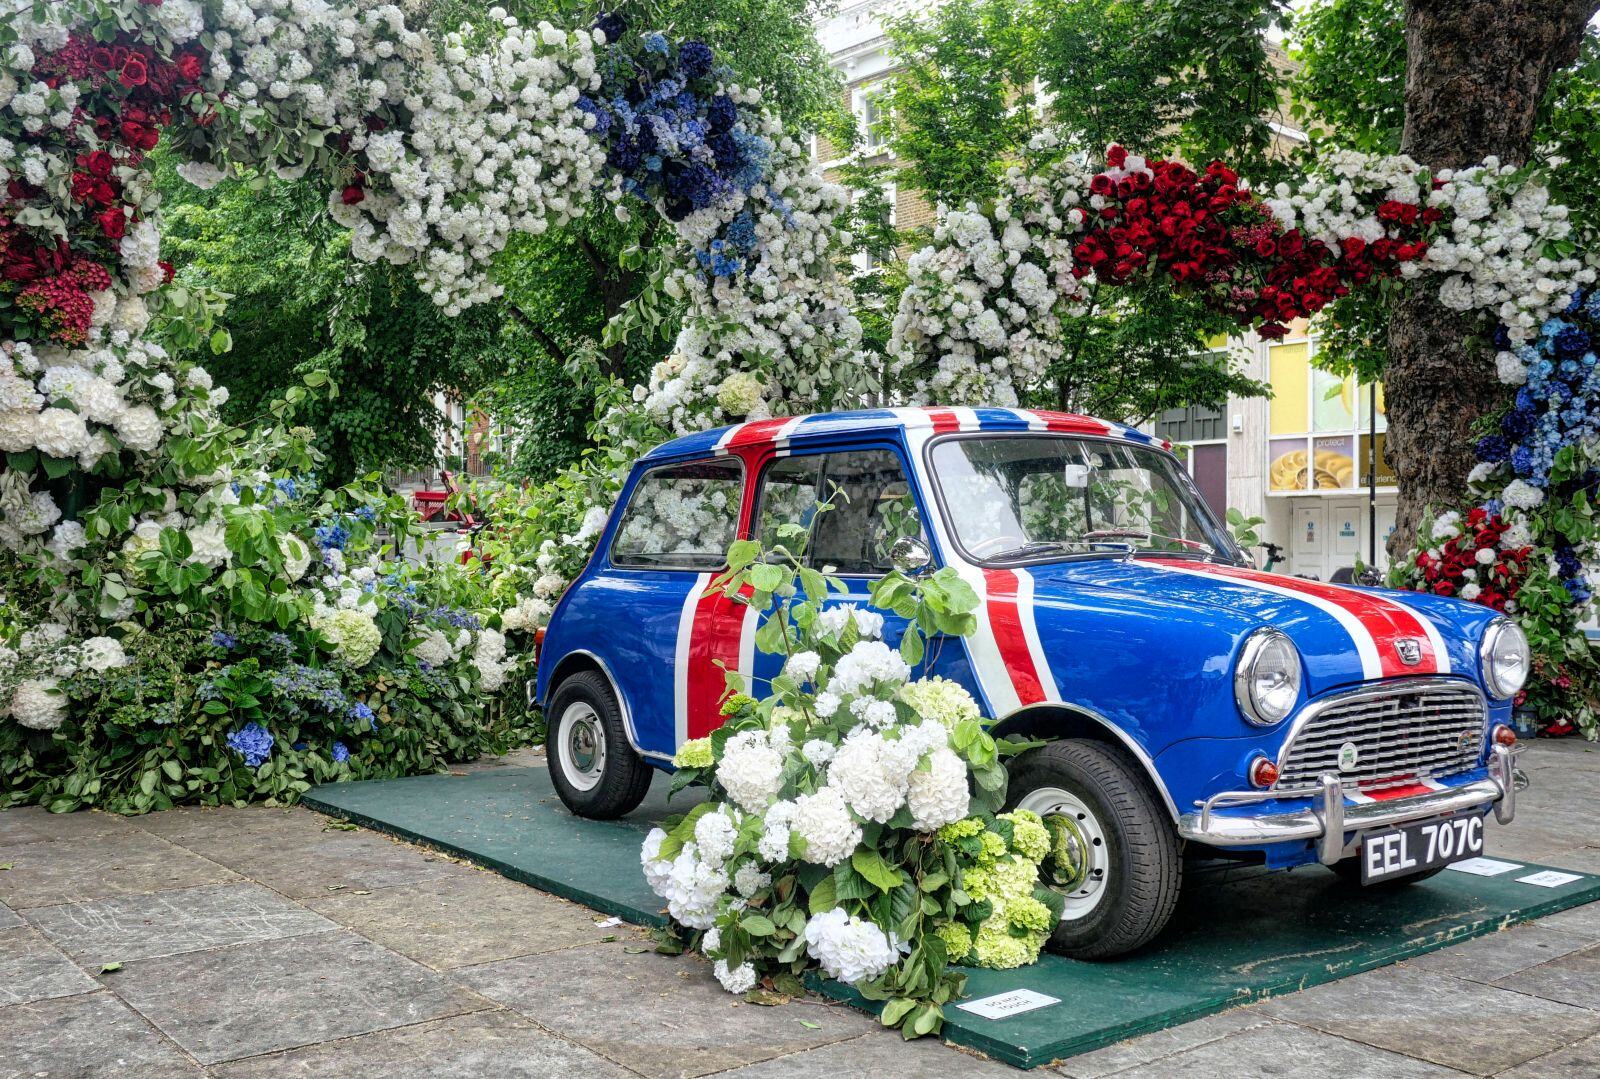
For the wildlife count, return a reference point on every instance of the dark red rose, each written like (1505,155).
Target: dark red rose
(1273,331)
(1100,184)
(101,163)
(113,222)
(352,194)
(166,271)
(189,66)
(134,72)
(1116,156)
(1444,588)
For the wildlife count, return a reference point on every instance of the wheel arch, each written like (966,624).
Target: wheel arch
(1054,722)
(576,662)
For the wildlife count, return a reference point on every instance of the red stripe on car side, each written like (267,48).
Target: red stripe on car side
(715,636)
(1005,621)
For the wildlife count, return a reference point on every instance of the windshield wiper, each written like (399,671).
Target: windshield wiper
(1026,550)
(1194,548)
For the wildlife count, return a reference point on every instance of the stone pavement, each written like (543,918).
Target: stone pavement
(257,942)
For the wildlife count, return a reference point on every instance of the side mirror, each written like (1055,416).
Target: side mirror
(910,555)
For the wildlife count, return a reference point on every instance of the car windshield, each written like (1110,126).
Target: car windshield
(1023,498)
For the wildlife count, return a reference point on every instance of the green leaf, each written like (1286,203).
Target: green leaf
(173,769)
(758,925)
(896,1010)
(882,875)
(824,897)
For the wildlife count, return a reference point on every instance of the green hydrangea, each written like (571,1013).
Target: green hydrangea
(993,848)
(997,949)
(940,699)
(1028,915)
(695,753)
(739,702)
(957,940)
(353,634)
(1029,837)
(976,882)
(961,829)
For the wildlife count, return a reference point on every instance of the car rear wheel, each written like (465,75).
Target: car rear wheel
(592,767)
(1115,860)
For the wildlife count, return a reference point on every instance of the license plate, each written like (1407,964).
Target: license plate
(1418,847)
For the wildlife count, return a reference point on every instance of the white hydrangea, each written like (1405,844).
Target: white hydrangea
(939,794)
(715,833)
(749,879)
(868,664)
(823,820)
(802,666)
(741,979)
(38,705)
(103,654)
(751,769)
(690,885)
(867,776)
(848,948)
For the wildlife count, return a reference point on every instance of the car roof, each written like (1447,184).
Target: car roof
(791,432)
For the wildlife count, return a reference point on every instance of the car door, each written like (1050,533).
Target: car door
(853,503)
(661,628)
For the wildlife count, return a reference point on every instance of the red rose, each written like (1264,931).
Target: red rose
(101,163)
(352,194)
(189,67)
(113,222)
(1444,588)
(101,59)
(1100,184)
(1272,331)
(134,72)
(1116,156)
(166,271)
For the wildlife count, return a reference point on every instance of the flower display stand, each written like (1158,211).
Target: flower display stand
(1237,937)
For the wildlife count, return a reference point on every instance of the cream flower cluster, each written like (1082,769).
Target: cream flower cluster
(31,675)
(779,337)
(980,319)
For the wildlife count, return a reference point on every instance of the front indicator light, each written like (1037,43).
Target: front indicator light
(1504,735)
(1263,773)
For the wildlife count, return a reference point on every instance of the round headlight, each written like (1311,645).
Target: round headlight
(1504,658)
(1266,682)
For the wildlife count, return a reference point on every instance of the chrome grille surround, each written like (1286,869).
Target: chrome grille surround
(1403,730)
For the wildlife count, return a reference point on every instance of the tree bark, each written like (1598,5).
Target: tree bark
(1476,71)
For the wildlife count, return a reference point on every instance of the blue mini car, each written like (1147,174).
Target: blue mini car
(1191,705)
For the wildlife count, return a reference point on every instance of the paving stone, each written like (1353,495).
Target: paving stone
(243,1001)
(86,1037)
(31,969)
(304,864)
(1485,959)
(492,1043)
(122,863)
(1571,979)
(1580,1058)
(878,1055)
(1163,1043)
(9,918)
(1460,1024)
(125,928)
(35,824)
(462,920)
(1282,1049)
(657,1016)
(224,822)
(1584,920)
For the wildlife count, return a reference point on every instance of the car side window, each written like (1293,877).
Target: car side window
(869,506)
(681,517)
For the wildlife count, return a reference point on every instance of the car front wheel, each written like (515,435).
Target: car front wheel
(592,767)
(1115,858)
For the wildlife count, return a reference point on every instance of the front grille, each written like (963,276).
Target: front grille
(1401,732)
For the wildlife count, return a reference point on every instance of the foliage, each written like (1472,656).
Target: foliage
(841,832)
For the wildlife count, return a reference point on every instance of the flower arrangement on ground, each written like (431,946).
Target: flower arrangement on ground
(852,822)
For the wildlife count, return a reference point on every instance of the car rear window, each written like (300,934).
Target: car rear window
(681,516)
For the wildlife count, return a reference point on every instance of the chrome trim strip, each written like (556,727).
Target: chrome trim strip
(1327,818)
(622,703)
(1126,739)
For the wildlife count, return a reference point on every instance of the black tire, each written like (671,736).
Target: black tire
(611,781)
(1349,871)
(1141,867)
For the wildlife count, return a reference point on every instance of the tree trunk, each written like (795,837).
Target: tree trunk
(1476,71)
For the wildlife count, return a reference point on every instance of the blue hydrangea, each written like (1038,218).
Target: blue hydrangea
(224,640)
(341,753)
(361,713)
(656,43)
(310,689)
(253,742)
(332,536)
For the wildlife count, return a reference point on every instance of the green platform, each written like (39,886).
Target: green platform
(1238,935)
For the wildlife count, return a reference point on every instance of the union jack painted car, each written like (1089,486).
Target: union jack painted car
(1191,706)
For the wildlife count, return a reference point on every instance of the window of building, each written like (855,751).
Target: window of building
(681,517)
(866,260)
(1320,425)
(872,118)
(870,506)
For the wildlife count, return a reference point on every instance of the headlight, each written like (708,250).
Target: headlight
(1266,682)
(1504,658)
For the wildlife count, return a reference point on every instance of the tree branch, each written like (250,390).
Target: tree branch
(546,342)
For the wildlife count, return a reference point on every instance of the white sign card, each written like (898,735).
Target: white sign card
(1549,878)
(1005,1005)
(1483,867)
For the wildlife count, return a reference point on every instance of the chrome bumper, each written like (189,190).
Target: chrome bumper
(1327,819)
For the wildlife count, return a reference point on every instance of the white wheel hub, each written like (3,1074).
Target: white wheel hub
(1080,831)
(581,746)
